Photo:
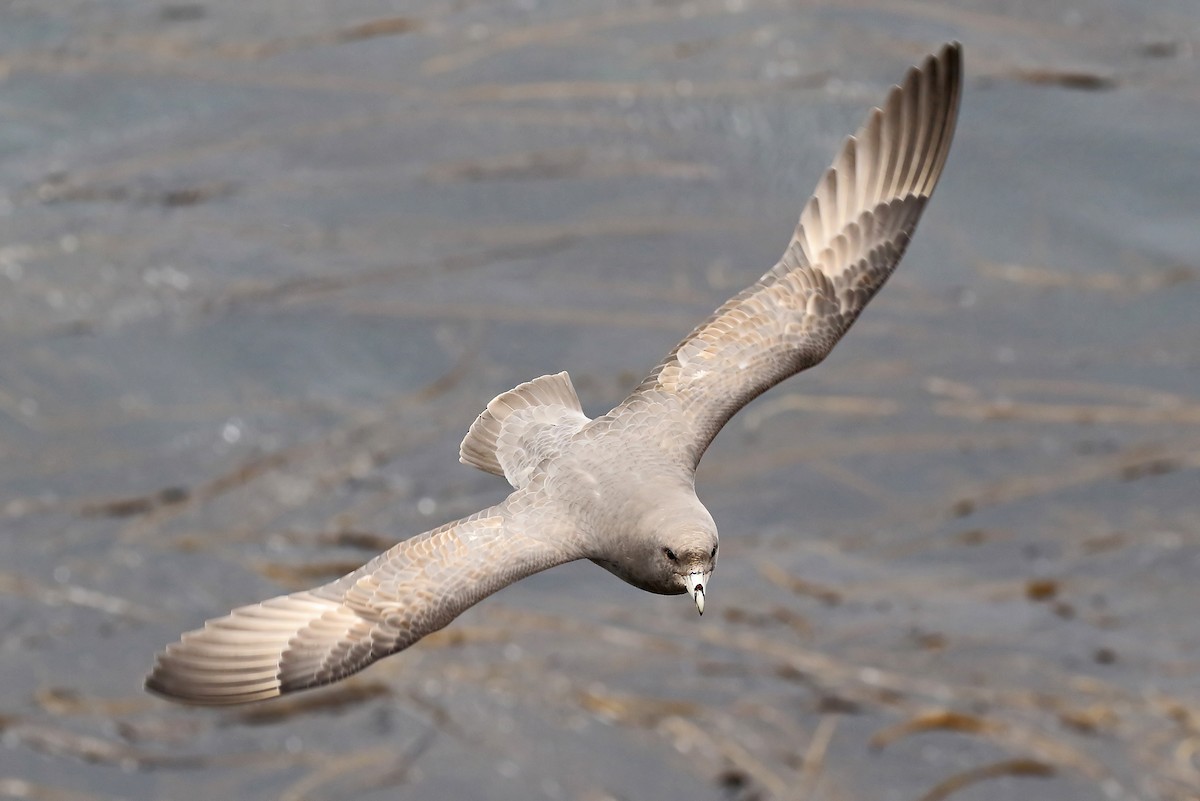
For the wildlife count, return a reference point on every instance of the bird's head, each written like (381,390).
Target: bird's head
(688,568)
(680,551)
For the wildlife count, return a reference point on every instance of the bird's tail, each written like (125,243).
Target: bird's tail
(552,401)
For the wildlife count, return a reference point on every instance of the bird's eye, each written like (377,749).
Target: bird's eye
(670,554)
(714,553)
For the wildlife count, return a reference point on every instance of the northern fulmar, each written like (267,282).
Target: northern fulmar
(618,490)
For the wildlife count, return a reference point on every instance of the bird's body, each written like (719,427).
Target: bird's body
(618,490)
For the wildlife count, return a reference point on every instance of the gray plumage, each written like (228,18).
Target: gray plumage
(618,489)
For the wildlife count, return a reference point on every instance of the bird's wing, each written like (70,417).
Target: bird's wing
(319,636)
(851,234)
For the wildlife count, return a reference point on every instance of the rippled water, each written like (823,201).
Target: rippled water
(262,263)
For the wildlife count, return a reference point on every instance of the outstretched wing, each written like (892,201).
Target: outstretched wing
(851,235)
(319,636)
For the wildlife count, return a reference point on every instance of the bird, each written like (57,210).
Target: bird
(618,489)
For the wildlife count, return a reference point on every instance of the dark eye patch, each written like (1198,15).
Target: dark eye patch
(670,554)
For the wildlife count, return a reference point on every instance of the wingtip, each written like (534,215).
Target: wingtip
(162,683)
(253,653)
(949,54)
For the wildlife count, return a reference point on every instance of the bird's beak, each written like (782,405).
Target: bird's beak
(697,581)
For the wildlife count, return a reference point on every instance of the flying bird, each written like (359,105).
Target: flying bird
(619,489)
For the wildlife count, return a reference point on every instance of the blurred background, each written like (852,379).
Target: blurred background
(262,262)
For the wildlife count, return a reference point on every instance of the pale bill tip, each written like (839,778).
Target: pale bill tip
(695,582)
